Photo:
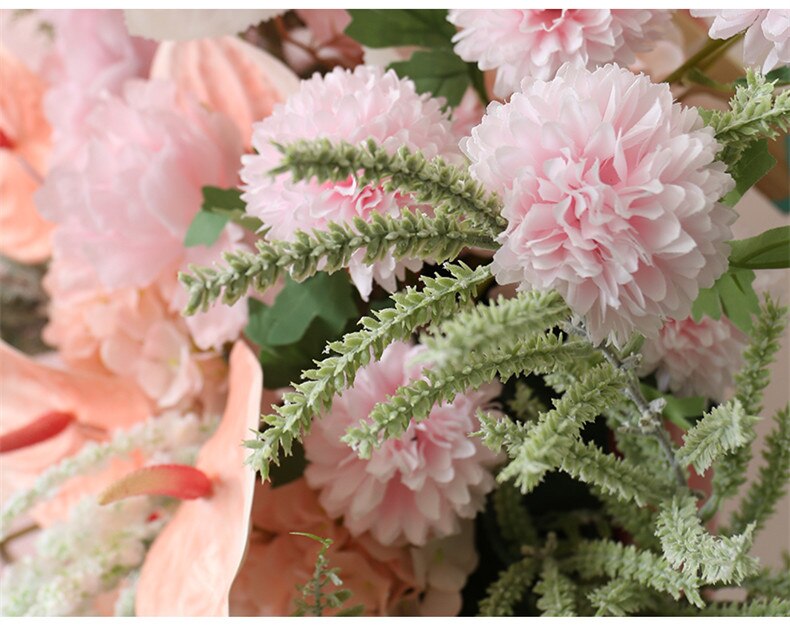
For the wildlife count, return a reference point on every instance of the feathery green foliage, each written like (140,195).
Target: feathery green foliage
(555,591)
(441,297)
(510,587)
(513,519)
(410,235)
(414,401)
(772,481)
(756,112)
(638,522)
(620,597)
(524,404)
(686,543)
(770,583)
(450,190)
(757,607)
(720,431)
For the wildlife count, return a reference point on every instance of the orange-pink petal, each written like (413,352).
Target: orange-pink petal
(193,562)
(37,431)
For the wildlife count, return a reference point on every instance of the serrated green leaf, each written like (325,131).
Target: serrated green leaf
(205,229)
(769,250)
(438,72)
(733,295)
(382,28)
(706,304)
(754,163)
(678,410)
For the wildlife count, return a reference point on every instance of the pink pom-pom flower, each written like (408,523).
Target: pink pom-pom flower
(766,44)
(611,196)
(695,358)
(415,487)
(351,106)
(520,43)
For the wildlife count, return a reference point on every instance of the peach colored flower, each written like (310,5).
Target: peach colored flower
(227,75)
(192,563)
(695,358)
(414,487)
(24,150)
(611,192)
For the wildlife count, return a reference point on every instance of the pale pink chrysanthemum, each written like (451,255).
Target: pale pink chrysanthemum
(412,488)
(766,44)
(520,43)
(611,195)
(350,106)
(695,358)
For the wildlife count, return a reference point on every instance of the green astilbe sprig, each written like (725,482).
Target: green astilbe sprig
(509,588)
(448,189)
(620,597)
(687,544)
(409,235)
(440,297)
(556,592)
(414,401)
(756,112)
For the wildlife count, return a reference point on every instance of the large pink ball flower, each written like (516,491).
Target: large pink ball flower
(611,196)
(518,43)
(767,41)
(691,358)
(351,106)
(415,487)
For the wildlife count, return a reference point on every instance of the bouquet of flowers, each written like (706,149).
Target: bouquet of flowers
(391,312)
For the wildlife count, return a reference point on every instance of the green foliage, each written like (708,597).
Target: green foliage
(441,297)
(555,591)
(771,483)
(449,189)
(220,206)
(756,607)
(756,112)
(754,163)
(414,401)
(620,597)
(411,235)
(770,583)
(314,599)
(513,519)
(525,404)
(637,522)
(721,431)
(687,544)
(769,250)
(510,588)
(733,295)
(678,410)
(438,72)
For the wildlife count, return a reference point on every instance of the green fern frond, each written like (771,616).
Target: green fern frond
(450,190)
(441,297)
(525,404)
(410,235)
(556,592)
(620,597)
(638,522)
(513,519)
(510,587)
(687,544)
(770,584)
(756,607)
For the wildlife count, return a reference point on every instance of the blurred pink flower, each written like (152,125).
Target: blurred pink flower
(158,156)
(228,75)
(520,43)
(691,358)
(24,152)
(415,487)
(767,41)
(343,106)
(184,24)
(611,194)
(191,565)
(92,56)
(467,114)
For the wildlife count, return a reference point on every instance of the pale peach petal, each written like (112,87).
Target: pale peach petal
(193,562)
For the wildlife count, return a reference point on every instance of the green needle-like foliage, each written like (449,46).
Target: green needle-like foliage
(441,297)
(555,591)
(525,404)
(620,597)
(410,235)
(450,190)
(510,588)
(756,607)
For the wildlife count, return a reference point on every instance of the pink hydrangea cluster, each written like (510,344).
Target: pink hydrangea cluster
(351,106)
(766,44)
(520,43)
(695,358)
(412,488)
(611,192)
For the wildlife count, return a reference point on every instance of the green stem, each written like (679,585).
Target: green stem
(704,57)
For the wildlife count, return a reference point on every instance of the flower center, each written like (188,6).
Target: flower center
(47,426)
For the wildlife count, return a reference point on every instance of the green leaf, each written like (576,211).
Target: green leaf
(382,28)
(205,229)
(733,295)
(439,72)
(781,75)
(219,207)
(678,410)
(291,467)
(769,250)
(754,163)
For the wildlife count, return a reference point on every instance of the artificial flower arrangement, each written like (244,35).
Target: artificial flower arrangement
(476,270)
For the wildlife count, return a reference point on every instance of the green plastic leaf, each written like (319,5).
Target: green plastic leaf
(754,163)
(219,207)
(678,410)
(732,294)
(769,250)
(205,229)
(382,28)
(781,75)
(439,72)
